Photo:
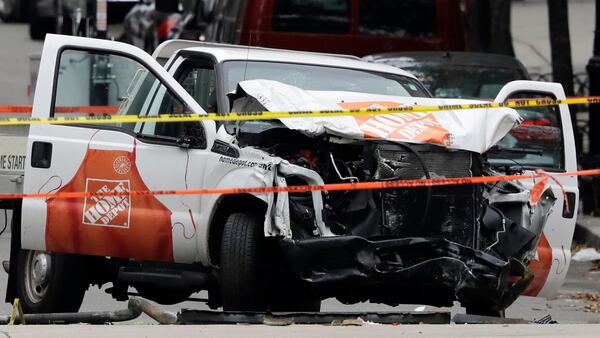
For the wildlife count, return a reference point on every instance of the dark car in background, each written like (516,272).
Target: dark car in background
(357,27)
(457,74)
(481,76)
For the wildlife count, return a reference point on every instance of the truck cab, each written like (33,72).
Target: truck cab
(287,250)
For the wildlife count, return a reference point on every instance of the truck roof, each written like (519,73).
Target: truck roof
(227,52)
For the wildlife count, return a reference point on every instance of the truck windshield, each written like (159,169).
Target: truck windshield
(313,77)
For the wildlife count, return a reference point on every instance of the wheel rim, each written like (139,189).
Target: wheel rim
(37,275)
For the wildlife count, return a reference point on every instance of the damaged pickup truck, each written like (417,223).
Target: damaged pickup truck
(483,245)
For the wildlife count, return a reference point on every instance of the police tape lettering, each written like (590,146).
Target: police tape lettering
(265,115)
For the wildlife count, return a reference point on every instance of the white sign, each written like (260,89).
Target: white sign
(12,153)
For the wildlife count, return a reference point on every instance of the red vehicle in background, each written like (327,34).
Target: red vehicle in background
(357,27)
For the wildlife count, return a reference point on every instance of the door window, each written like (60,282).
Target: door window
(95,83)
(312,16)
(400,19)
(536,143)
(199,81)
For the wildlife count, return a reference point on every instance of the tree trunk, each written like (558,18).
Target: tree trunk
(501,38)
(478,25)
(560,44)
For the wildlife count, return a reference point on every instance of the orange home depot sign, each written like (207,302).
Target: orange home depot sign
(421,127)
(109,225)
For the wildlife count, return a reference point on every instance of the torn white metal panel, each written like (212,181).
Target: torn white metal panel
(281,214)
(522,196)
(312,178)
(475,130)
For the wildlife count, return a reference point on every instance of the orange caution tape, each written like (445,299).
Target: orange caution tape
(540,186)
(305,188)
(15,109)
(63,109)
(537,190)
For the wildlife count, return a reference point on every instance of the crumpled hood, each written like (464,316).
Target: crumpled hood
(475,130)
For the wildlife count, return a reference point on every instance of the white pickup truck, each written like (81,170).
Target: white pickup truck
(483,245)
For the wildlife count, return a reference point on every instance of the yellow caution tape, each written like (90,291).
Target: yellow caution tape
(266,115)
(17,313)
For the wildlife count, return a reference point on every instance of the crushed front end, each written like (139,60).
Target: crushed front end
(424,245)
(417,245)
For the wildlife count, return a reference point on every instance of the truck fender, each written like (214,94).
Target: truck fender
(221,206)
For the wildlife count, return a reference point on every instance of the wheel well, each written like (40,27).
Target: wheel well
(227,205)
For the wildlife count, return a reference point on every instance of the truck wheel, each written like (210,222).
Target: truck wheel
(240,280)
(50,282)
(38,26)
(245,274)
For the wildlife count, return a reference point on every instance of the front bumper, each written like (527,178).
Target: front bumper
(416,270)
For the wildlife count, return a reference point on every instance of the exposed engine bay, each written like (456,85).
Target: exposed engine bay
(432,245)
(436,244)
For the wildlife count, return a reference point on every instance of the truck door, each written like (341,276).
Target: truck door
(89,77)
(544,140)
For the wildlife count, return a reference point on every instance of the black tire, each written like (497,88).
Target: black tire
(39,26)
(57,288)
(247,280)
(240,264)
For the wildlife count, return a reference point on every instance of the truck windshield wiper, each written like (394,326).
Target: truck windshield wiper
(528,151)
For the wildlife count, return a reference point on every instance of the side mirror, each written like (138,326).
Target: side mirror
(193,136)
(189,142)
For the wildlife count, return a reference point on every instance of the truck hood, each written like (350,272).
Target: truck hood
(474,130)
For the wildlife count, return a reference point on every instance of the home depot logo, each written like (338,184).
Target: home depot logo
(418,126)
(111,211)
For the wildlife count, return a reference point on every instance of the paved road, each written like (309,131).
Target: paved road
(303,331)
(562,308)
